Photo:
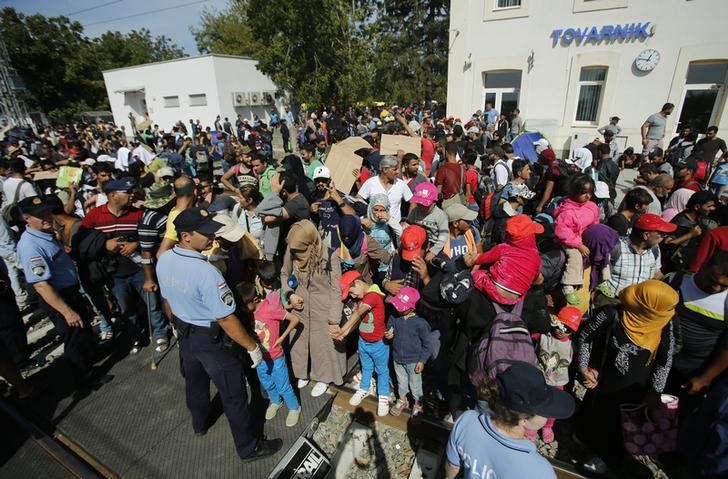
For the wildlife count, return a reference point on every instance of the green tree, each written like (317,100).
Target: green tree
(411,49)
(226,32)
(62,68)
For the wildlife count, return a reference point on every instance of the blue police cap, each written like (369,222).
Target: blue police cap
(123,184)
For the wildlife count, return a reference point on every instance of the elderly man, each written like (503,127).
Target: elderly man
(389,183)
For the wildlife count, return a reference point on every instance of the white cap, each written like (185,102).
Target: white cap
(541,144)
(314,116)
(105,158)
(474,129)
(88,162)
(230,230)
(164,171)
(322,172)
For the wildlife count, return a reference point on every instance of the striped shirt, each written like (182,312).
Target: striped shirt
(124,226)
(152,227)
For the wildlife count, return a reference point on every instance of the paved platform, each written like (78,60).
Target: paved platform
(137,425)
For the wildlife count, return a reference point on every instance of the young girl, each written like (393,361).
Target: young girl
(272,370)
(572,217)
(410,349)
(373,351)
(554,352)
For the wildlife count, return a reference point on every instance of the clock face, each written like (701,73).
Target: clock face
(647,60)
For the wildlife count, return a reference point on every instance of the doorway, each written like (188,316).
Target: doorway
(502,90)
(703,95)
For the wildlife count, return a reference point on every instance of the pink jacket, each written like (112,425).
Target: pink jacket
(571,219)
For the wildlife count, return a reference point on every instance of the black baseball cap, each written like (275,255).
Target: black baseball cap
(524,389)
(196,219)
(36,205)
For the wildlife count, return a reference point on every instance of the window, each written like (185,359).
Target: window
(591,86)
(199,99)
(507,4)
(707,73)
(171,101)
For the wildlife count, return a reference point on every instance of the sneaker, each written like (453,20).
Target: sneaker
(270,413)
(417,411)
(293,416)
(383,406)
(572,298)
(135,347)
(448,419)
(318,389)
(264,448)
(397,408)
(547,435)
(596,465)
(358,397)
(302,383)
(106,335)
(162,345)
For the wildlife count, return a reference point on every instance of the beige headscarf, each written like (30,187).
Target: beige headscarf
(304,239)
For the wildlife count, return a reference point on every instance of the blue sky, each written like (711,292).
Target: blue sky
(172,18)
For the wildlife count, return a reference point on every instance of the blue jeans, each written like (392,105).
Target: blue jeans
(122,290)
(408,381)
(374,357)
(273,375)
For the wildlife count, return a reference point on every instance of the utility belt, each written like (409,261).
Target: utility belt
(214,333)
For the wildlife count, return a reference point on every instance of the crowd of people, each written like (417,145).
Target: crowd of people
(474,285)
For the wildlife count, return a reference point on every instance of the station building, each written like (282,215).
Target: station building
(570,65)
(200,87)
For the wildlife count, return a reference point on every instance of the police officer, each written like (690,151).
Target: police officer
(53,274)
(202,305)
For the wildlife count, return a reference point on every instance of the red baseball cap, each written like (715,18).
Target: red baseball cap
(520,226)
(571,317)
(652,222)
(345,282)
(413,237)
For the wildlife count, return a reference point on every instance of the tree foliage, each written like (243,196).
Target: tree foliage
(338,50)
(61,67)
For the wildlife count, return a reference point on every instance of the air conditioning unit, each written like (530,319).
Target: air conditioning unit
(268,98)
(241,98)
(256,98)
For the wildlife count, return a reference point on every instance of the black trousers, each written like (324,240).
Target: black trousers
(13,339)
(78,345)
(202,361)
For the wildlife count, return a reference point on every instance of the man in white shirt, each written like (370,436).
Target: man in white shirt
(142,153)
(122,157)
(388,183)
(16,182)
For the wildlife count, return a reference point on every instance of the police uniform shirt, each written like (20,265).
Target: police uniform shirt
(44,259)
(195,290)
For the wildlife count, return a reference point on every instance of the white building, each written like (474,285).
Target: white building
(570,65)
(200,87)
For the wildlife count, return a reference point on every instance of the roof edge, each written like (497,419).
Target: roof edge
(218,55)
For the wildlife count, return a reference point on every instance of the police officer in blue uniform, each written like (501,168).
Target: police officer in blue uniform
(203,308)
(53,274)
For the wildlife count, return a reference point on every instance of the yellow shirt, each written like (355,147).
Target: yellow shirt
(171,232)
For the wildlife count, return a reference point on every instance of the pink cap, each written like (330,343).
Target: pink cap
(425,194)
(406,299)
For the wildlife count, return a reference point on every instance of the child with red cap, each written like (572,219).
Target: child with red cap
(512,266)
(411,347)
(369,316)
(554,352)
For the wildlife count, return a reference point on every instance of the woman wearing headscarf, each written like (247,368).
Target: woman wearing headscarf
(676,203)
(601,240)
(357,249)
(632,367)
(310,282)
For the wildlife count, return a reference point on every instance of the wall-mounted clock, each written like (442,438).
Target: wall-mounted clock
(647,60)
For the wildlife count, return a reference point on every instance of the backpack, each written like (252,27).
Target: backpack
(11,213)
(507,341)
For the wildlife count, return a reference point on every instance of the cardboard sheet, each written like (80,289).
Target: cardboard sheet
(392,143)
(342,164)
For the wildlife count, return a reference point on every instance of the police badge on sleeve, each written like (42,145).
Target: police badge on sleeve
(226,296)
(38,265)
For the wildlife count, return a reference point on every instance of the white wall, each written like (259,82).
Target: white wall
(215,76)
(482,39)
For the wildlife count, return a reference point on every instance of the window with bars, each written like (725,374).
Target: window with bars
(507,4)
(591,86)
(171,101)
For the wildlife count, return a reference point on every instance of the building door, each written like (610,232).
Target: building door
(501,89)
(703,95)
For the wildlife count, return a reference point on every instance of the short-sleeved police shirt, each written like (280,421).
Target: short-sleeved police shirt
(44,259)
(195,290)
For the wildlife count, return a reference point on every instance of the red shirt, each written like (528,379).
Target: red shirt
(471,178)
(126,225)
(450,176)
(268,318)
(691,185)
(371,328)
(428,153)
